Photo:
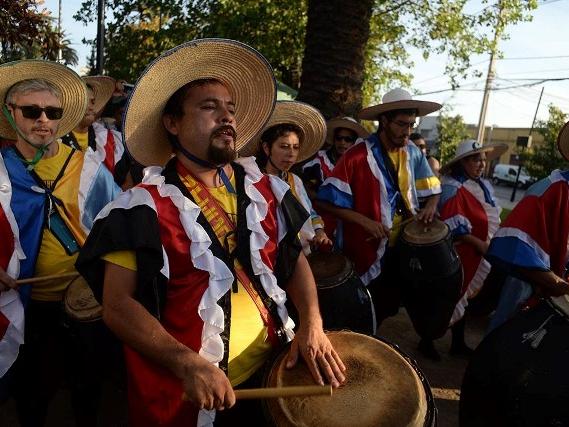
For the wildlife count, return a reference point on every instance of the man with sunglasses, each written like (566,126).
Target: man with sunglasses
(420,142)
(377,184)
(49,198)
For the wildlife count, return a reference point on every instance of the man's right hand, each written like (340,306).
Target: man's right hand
(205,385)
(375,229)
(6,282)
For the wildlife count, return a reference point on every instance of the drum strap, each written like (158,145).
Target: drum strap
(400,206)
(223,228)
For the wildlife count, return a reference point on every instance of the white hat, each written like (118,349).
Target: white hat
(471,147)
(398,99)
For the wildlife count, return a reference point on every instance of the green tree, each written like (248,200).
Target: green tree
(452,130)
(347,53)
(26,32)
(541,159)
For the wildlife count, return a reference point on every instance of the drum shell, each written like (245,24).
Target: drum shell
(272,409)
(426,262)
(345,302)
(432,281)
(515,383)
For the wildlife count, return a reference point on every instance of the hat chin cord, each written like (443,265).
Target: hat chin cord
(281,174)
(204,163)
(40,148)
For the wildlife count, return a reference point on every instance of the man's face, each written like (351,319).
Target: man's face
(422,145)
(398,129)
(90,114)
(207,127)
(40,130)
(344,139)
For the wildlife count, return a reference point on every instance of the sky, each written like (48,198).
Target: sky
(535,50)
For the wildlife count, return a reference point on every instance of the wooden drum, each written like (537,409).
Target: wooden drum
(384,388)
(80,303)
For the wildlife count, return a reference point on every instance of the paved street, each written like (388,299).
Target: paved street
(504,193)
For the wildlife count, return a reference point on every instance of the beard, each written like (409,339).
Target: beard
(224,154)
(221,155)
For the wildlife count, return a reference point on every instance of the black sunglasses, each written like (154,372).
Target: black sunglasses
(349,139)
(34,112)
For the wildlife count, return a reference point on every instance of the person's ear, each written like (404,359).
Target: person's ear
(170,123)
(266,149)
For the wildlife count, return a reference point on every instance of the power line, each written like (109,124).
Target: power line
(533,83)
(516,58)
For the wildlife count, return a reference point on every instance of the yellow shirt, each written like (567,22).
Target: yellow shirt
(52,257)
(248,344)
(82,139)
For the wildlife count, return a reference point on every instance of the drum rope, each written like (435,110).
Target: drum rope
(536,336)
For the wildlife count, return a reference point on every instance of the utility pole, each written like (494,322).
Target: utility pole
(490,76)
(59,35)
(524,148)
(100,36)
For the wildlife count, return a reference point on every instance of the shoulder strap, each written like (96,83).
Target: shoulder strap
(390,167)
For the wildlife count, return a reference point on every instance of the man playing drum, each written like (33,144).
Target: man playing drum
(195,256)
(531,244)
(341,134)
(91,133)
(377,184)
(49,197)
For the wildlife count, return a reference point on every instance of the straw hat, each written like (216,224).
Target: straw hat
(398,99)
(563,141)
(345,123)
(103,88)
(471,147)
(306,117)
(244,71)
(73,91)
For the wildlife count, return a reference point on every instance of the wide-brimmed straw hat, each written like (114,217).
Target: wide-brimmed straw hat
(310,121)
(103,88)
(73,91)
(344,123)
(244,71)
(563,141)
(398,99)
(471,147)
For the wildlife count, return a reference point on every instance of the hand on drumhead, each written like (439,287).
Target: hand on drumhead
(427,214)
(320,240)
(318,353)
(206,386)
(6,282)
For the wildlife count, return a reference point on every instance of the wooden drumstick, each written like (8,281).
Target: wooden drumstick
(279,392)
(44,278)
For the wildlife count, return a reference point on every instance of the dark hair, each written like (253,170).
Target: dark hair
(175,105)
(390,115)
(415,136)
(271,135)
(352,132)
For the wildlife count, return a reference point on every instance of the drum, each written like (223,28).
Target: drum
(518,375)
(431,275)
(384,387)
(80,303)
(345,302)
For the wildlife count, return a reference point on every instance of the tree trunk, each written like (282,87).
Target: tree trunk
(333,66)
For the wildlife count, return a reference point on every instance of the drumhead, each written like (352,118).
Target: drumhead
(382,388)
(80,303)
(420,234)
(329,269)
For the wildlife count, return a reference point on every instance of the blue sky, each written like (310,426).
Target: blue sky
(541,39)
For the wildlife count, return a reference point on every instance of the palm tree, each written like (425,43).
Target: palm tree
(332,80)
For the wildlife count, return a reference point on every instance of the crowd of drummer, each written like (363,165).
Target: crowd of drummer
(247,225)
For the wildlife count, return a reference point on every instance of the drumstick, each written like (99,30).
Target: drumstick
(44,278)
(279,392)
